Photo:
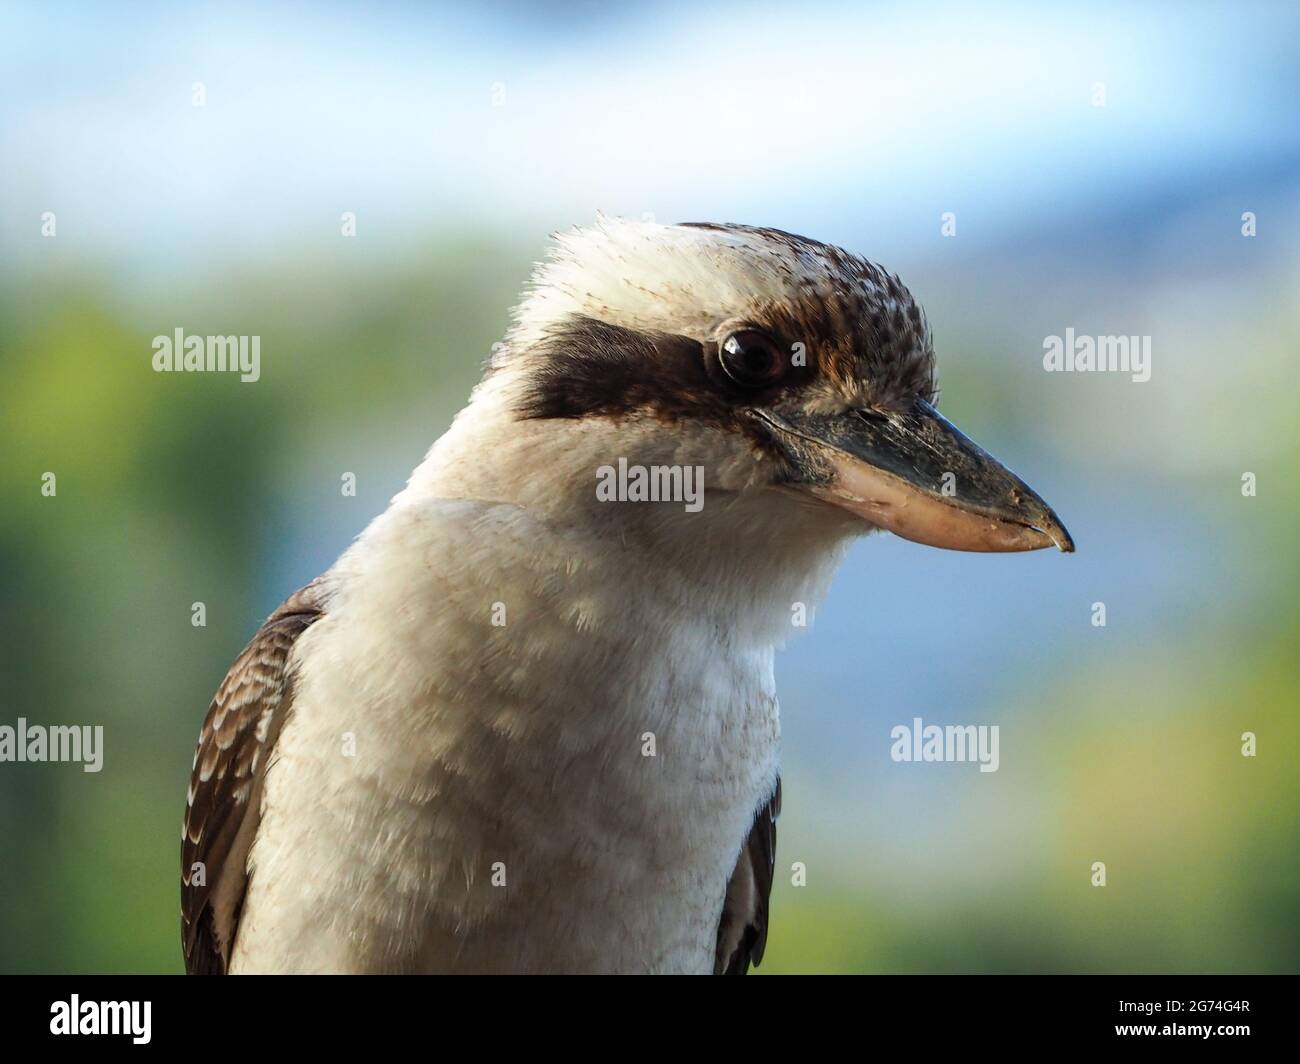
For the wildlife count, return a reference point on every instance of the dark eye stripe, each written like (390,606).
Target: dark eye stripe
(593,368)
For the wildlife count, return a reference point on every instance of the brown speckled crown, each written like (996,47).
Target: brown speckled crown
(866,340)
(866,329)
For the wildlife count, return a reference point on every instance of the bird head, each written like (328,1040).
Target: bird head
(799,377)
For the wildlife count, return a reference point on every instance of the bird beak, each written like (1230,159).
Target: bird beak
(916,475)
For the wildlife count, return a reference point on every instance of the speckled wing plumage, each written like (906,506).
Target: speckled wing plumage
(224,802)
(742,932)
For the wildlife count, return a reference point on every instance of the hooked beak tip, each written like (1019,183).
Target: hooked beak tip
(1054,534)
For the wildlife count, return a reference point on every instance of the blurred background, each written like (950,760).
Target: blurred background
(1097,161)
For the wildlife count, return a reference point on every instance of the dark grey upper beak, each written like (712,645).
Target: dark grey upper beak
(918,476)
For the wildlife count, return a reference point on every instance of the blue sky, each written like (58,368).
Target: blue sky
(685,111)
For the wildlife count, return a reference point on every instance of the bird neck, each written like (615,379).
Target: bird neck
(751,559)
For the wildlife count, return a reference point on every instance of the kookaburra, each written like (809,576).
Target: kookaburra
(522,726)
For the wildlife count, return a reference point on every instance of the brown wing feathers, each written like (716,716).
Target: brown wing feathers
(224,803)
(742,931)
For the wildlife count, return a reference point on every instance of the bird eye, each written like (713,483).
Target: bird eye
(751,359)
